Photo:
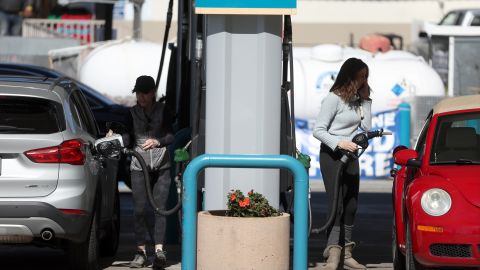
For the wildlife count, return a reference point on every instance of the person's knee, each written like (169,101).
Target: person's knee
(351,207)
(139,211)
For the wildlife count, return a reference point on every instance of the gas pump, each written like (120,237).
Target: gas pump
(188,79)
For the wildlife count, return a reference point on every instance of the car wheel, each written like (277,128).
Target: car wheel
(109,243)
(398,257)
(411,263)
(85,255)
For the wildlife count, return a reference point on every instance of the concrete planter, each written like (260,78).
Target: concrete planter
(239,243)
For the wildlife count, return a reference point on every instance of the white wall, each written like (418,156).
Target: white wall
(152,10)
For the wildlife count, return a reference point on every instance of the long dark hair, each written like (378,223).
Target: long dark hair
(344,83)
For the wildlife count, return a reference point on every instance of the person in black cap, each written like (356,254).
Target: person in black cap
(151,134)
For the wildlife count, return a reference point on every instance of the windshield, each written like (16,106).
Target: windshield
(452,18)
(457,140)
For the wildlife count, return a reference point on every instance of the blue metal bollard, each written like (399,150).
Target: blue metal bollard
(189,226)
(405,122)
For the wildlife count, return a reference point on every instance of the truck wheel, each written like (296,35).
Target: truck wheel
(85,255)
(109,243)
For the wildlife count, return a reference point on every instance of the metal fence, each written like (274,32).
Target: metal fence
(86,31)
(420,108)
(32,50)
(466,66)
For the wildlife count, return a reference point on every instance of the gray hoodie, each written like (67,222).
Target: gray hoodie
(150,125)
(339,120)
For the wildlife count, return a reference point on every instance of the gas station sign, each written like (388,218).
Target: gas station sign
(254,7)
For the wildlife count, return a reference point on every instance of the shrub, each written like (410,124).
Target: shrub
(254,205)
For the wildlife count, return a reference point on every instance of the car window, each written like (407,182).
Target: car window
(422,138)
(453,18)
(475,20)
(457,139)
(76,113)
(28,115)
(85,113)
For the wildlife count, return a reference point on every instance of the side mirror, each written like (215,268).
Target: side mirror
(423,34)
(393,172)
(398,148)
(406,157)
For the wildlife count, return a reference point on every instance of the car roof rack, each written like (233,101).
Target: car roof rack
(64,82)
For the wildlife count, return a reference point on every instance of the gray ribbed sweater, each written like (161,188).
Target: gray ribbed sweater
(339,121)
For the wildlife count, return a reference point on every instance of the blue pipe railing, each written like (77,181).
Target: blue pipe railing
(189,226)
(405,122)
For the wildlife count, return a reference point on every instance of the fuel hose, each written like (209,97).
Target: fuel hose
(148,186)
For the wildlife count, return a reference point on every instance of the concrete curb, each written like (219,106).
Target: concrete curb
(372,186)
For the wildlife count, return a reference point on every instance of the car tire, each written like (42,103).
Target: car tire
(398,257)
(86,255)
(411,263)
(109,243)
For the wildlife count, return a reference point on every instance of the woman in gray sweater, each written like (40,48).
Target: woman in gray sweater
(344,110)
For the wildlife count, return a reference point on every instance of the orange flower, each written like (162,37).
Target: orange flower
(244,203)
(250,193)
(233,196)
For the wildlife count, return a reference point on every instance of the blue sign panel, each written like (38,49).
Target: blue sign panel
(398,89)
(375,163)
(246,4)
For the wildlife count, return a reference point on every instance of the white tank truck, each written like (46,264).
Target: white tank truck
(113,68)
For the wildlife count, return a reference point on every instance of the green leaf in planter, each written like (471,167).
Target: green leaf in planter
(304,159)
(181,155)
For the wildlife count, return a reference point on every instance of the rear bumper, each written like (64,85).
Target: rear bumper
(22,222)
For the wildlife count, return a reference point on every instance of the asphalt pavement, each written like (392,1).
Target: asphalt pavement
(372,232)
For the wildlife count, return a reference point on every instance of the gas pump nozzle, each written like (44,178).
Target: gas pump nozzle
(361,139)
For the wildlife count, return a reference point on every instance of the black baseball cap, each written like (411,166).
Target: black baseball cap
(144,84)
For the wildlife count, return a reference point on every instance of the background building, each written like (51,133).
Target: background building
(318,21)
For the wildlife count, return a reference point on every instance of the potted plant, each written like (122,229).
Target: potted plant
(250,234)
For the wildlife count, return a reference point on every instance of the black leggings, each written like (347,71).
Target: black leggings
(160,190)
(349,185)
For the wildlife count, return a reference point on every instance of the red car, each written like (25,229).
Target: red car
(436,190)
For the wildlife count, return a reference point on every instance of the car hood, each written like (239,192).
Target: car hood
(466,178)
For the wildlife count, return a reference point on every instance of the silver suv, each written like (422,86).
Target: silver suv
(55,190)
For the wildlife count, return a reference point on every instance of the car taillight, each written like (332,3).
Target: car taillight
(76,212)
(70,152)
